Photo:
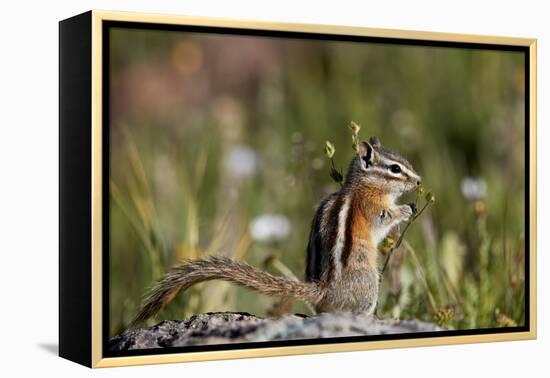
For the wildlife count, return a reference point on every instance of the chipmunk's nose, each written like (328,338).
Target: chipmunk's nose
(418,183)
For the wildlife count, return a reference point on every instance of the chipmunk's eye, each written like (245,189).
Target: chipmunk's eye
(394,168)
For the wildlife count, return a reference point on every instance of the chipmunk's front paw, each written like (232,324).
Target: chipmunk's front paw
(406,212)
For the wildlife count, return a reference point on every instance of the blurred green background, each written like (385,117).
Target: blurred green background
(217,148)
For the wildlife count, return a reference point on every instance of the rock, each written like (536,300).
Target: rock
(239,327)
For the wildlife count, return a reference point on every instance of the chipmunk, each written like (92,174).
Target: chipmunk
(342,272)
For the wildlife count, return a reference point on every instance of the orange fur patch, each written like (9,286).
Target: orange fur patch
(360,226)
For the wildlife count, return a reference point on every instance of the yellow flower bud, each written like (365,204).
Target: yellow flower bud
(505,321)
(384,250)
(430,197)
(388,242)
(354,128)
(329,149)
(420,189)
(444,315)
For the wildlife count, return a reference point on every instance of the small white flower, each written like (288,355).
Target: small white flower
(241,161)
(270,227)
(473,188)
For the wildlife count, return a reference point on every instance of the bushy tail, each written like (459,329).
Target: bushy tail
(189,273)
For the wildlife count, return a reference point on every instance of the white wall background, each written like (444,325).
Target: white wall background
(29,188)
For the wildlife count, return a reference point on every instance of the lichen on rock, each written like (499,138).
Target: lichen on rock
(239,327)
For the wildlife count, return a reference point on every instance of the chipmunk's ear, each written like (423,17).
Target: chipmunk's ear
(374,141)
(366,153)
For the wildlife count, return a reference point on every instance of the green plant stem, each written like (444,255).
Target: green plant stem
(333,167)
(401,237)
(422,276)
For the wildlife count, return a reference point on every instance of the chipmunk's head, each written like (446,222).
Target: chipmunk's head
(383,169)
